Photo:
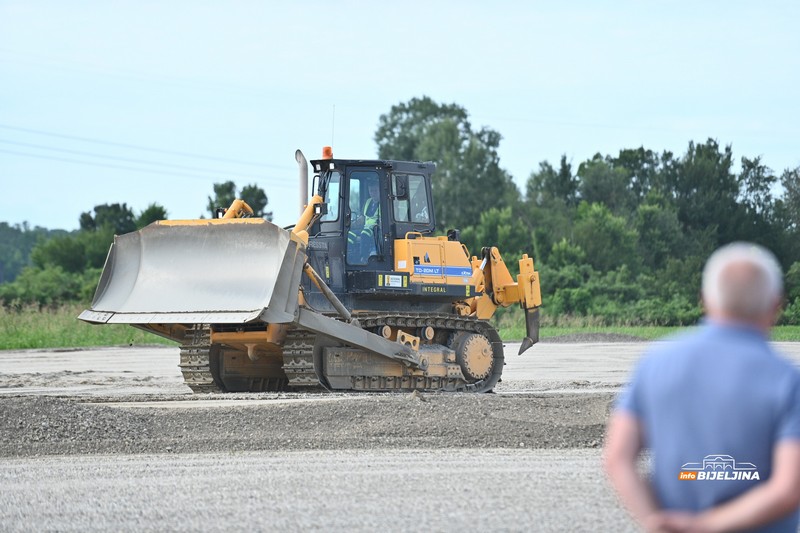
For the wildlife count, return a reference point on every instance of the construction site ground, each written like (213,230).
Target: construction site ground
(111,439)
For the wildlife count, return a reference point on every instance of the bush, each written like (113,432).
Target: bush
(49,286)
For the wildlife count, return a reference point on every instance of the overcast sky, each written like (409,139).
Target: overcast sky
(154,101)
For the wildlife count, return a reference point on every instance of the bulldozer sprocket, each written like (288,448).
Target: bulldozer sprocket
(452,325)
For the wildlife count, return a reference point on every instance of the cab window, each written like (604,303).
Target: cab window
(414,208)
(332,197)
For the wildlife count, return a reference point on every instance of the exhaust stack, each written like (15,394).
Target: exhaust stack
(302,163)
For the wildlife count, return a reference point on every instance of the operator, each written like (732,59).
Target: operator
(719,411)
(367,221)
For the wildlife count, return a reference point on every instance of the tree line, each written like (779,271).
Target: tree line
(46,267)
(618,239)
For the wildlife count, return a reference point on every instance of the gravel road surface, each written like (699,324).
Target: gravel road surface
(110,439)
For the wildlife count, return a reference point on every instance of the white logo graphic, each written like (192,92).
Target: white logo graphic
(719,467)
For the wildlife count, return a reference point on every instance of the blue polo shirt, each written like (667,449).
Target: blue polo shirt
(713,403)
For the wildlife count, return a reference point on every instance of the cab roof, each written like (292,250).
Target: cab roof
(427,167)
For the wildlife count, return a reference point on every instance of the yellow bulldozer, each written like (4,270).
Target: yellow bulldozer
(358,295)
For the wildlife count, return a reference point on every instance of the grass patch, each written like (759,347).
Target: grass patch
(31,327)
(516,333)
(786,333)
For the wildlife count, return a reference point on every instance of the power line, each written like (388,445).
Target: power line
(125,159)
(143,148)
(120,167)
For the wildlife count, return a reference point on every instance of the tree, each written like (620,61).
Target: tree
(642,166)
(790,180)
(788,215)
(659,232)
(76,252)
(225,193)
(16,243)
(607,239)
(257,199)
(468,179)
(705,190)
(152,213)
(756,182)
(601,182)
(401,131)
(548,185)
(499,227)
(120,217)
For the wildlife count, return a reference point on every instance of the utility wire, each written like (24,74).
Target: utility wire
(143,148)
(122,167)
(125,159)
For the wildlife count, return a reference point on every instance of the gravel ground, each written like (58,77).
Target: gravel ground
(99,440)
(44,425)
(350,490)
(111,440)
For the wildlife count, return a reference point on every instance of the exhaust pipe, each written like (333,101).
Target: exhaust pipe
(303,164)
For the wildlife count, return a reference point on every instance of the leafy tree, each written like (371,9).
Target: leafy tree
(790,180)
(152,213)
(257,199)
(601,182)
(468,179)
(120,217)
(548,185)
(705,190)
(16,243)
(49,286)
(225,193)
(607,239)
(642,166)
(660,235)
(499,227)
(74,253)
(565,254)
(401,131)
(756,184)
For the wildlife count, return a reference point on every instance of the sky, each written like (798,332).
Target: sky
(141,101)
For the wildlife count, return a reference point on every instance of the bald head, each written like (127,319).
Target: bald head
(743,282)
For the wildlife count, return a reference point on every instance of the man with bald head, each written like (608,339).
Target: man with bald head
(719,411)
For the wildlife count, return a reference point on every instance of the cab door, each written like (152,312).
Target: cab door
(366,220)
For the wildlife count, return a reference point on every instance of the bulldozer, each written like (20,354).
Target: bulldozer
(358,295)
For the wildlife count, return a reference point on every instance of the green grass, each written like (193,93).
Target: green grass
(516,333)
(512,333)
(31,327)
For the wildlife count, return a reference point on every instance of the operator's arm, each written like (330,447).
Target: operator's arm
(620,457)
(765,503)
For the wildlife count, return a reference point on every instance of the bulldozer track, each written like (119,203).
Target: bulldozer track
(195,362)
(298,357)
(452,324)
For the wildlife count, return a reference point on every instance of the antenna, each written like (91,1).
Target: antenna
(333,124)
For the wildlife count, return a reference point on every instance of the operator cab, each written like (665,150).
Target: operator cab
(370,204)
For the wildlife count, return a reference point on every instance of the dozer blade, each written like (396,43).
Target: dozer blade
(200,272)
